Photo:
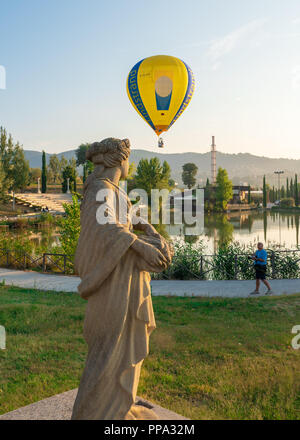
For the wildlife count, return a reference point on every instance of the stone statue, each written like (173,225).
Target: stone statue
(113,264)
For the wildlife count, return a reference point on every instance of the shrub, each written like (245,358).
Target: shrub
(288,202)
(186,261)
(70,227)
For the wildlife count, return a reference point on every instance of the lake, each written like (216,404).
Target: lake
(272,228)
(281,229)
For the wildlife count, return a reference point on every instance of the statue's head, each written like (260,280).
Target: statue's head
(111,153)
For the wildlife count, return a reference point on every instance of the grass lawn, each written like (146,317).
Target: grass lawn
(209,359)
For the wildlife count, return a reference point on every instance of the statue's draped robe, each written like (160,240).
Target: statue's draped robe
(119,316)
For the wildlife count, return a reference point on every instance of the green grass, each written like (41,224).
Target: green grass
(209,358)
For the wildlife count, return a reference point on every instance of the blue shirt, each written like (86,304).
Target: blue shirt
(263,255)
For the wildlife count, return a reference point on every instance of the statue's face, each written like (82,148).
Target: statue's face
(124,169)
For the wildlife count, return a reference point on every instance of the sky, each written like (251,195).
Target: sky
(66,64)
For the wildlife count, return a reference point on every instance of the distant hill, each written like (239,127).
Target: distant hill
(35,157)
(242,167)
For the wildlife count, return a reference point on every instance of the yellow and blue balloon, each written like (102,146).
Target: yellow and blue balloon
(160,88)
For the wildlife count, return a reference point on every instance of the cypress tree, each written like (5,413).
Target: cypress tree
(249,194)
(296,191)
(287,188)
(264,193)
(84,173)
(44,173)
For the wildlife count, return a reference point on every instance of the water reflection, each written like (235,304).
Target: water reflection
(272,228)
(42,239)
(219,229)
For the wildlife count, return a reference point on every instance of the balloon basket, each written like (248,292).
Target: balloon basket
(160,143)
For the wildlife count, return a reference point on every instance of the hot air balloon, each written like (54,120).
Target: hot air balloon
(160,88)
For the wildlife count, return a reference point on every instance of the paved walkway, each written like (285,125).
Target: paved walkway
(60,407)
(229,289)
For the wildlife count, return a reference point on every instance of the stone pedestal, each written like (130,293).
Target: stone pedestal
(59,407)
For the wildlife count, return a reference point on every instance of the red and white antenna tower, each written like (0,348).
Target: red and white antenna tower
(213,162)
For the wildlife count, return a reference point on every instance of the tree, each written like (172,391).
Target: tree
(209,196)
(81,154)
(72,164)
(296,191)
(34,174)
(287,188)
(130,179)
(150,174)
(249,194)
(44,173)
(84,174)
(224,191)
(63,164)
(131,171)
(264,193)
(69,173)
(54,168)
(6,152)
(2,182)
(19,170)
(88,166)
(70,227)
(189,174)
(14,166)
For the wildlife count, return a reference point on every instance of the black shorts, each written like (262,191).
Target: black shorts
(260,272)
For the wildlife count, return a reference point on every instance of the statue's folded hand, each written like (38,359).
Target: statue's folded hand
(166,249)
(153,237)
(161,243)
(153,256)
(151,231)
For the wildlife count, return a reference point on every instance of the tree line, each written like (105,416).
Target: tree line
(15,173)
(57,172)
(288,194)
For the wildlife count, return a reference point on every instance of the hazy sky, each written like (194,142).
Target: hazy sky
(66,65)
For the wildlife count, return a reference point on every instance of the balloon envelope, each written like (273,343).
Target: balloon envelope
(160,88)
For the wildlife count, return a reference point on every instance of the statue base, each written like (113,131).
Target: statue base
(59,407)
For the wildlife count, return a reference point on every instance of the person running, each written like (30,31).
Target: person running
(260,265)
